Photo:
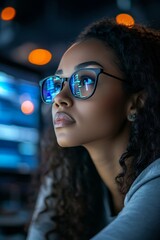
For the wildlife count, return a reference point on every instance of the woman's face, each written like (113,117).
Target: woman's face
(100,118)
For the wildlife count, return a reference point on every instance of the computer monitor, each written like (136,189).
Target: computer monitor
(19,118)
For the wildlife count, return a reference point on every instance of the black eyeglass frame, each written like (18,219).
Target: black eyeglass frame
(98,71)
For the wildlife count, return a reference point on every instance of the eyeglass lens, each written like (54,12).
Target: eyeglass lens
(82,84)
(50,88)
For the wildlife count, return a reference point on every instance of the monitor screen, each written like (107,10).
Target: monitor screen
(19,118)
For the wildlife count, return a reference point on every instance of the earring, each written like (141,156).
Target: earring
(131,117)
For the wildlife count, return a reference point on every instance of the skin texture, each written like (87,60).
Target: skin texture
(99,123)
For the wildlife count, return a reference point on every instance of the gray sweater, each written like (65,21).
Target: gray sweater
(138,220)
(140,217)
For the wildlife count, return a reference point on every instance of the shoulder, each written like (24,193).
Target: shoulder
(140,217)
(148,180)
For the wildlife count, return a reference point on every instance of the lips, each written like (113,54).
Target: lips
(63,119)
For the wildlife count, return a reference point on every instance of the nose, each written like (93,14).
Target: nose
(64,98)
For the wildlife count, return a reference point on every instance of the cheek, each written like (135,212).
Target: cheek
(113,107)
(109,106)
(105,117)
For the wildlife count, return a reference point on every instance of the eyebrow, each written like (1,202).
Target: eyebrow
(86,64)
(81,65)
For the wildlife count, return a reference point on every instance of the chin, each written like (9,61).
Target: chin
(66,144)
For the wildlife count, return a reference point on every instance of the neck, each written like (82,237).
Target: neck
(105,155)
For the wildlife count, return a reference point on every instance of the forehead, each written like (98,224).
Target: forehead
(88,50)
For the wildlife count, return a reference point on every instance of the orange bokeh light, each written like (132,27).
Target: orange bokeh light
(125,19)
(39,56)
(27,107)
(8,13)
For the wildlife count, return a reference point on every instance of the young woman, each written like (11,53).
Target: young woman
(103,180)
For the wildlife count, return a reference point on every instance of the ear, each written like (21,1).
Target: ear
(136,101)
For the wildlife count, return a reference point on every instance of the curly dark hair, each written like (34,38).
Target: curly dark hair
(77,188)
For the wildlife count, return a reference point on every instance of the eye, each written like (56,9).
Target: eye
(83,78)
(57,78)
(87,80)
(52,85)
(57,82)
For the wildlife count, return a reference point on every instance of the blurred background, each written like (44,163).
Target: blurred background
(33,36)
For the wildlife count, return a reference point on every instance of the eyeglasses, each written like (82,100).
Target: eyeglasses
(82,84)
